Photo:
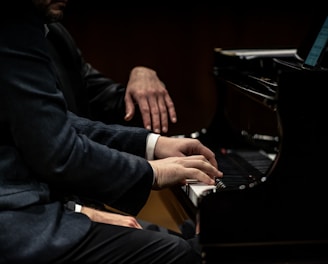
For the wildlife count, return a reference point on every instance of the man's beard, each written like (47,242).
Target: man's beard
(49,14)
(53,17)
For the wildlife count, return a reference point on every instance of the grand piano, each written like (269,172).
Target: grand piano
(270,140)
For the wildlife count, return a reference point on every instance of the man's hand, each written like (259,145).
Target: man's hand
(178,159)
(156,106)
(180,147)
(110,218)
(176,170)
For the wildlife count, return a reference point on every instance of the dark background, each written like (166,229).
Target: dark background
(178,41)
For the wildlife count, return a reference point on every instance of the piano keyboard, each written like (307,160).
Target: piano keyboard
(241,168)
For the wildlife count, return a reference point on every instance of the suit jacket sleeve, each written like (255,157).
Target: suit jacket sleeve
(80,156)
(94,95)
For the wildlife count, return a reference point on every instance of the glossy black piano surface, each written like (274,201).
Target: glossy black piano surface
(283,217)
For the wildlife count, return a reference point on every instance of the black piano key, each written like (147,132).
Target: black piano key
(242,167)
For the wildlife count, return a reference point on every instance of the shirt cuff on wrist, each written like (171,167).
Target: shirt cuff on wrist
(150,145)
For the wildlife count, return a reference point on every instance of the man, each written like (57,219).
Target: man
(91,94)
(49,153)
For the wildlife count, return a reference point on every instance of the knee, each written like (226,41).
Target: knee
(182,251)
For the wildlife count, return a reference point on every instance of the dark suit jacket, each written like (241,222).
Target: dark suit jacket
(44,148)
(87,91)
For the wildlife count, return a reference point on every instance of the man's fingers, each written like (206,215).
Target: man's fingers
(170,108)
(145,113)
(129,108)
(200,169)
(155,114)
(163,115)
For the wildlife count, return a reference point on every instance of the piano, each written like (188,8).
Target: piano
(270,140)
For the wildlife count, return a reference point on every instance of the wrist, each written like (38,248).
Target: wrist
(73,206)
(142,71)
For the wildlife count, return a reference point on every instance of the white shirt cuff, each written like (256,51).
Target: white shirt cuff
(150,148)
(150,145)
(78,208)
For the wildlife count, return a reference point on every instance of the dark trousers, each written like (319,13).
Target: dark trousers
(106,244)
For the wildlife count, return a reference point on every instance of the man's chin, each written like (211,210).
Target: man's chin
(54,15)
(55,11)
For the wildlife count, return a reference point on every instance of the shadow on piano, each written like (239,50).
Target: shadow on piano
(273,209)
